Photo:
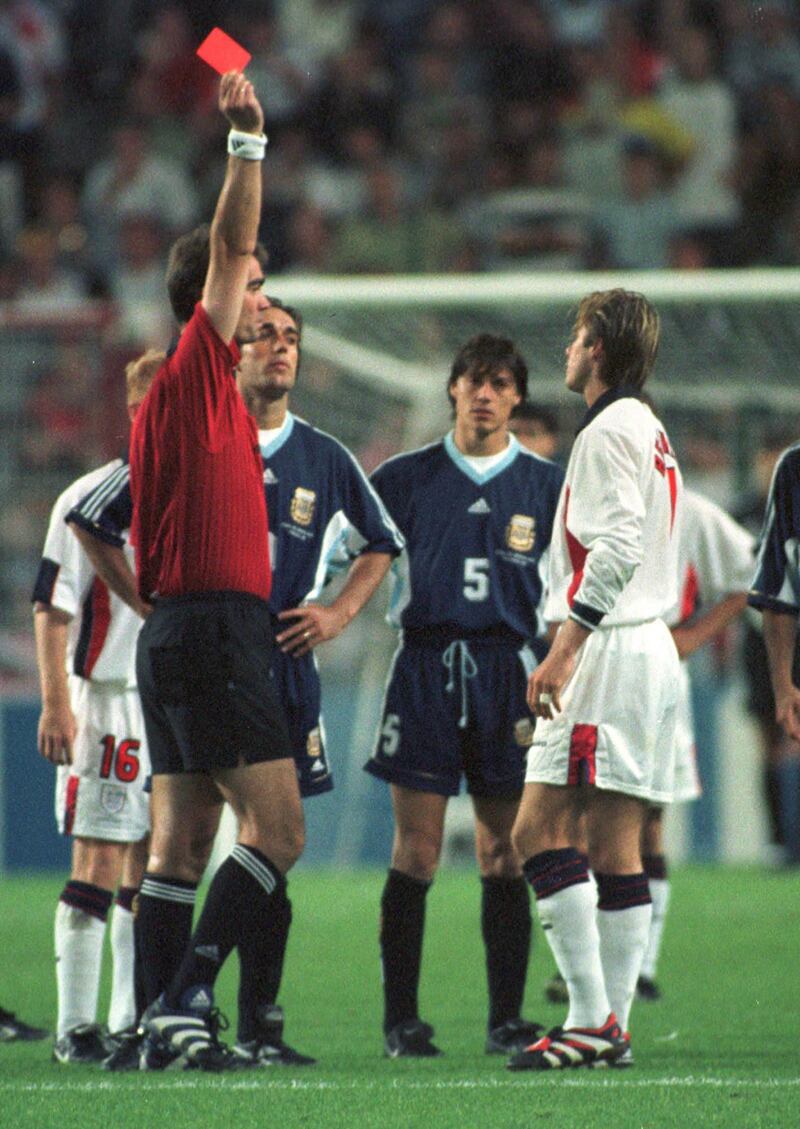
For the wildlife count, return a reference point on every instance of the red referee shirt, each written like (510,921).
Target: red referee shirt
(199,512)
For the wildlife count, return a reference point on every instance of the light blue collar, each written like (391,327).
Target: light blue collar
(275,445)
(469,471)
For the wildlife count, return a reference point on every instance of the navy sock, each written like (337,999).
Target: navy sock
(401,930)
(90,899)
(506,929)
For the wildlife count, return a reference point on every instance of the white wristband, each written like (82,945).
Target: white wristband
(248,146)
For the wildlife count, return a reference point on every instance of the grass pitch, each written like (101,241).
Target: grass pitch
(721,1048)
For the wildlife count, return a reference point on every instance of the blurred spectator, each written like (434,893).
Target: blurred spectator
(703,106)
(768,169)
(358,89)
(134,179)
(62,415)
(315,30)
(635,228)
(59,211)
(167,63)
(688,250)
(537,428)
(46,287)
(308,244)
(389,238)
(32,33)
(137,286)
(540,226)
(12,144)
(526,61)
(283,77)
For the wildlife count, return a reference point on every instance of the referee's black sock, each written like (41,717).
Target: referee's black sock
(262,950)
(401,929)
(162,929)
(506,929)
(239,899)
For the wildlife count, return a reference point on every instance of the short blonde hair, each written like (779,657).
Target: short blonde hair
(139,374)
(629,328)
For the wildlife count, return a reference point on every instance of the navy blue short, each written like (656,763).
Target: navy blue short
(297,684)
(203,664)
(456,709)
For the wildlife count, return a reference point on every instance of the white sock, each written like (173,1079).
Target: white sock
(659,892)
(122,1009)
(623,940)
(79,953)
(569,921)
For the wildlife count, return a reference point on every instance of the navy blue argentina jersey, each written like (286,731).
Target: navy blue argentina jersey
(776,585)
(316,494)
(476,542)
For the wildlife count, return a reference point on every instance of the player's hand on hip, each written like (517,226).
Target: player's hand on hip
(312,624)
(239,104)
(57,729)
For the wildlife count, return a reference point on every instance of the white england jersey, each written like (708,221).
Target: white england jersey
(614,553)
(716,557)
(101,640)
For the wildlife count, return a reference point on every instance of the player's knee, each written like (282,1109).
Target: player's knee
(498,859)
(98,864)
(417,855)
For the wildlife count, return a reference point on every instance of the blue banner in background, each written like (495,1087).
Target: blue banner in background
(29,839)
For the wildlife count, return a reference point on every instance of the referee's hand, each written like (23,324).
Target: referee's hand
(239,104)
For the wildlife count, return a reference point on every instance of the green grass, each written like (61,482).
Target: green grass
(721,1048)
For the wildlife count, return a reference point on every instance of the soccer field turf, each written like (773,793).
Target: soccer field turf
(721,1048)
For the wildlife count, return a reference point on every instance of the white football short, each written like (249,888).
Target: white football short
(616,729)
(687,784)
(101,795)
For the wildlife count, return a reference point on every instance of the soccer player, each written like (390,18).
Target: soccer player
(91,728)
(606,694)
(715,563)
(775,592)
(536,428)
(476,510)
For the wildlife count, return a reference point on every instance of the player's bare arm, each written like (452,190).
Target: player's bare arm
(234,227)
(553,674)
(691,637)
(57,726)
(312,624)
(111,565)
(780,634)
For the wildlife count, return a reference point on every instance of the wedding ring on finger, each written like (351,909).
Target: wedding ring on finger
(306,634)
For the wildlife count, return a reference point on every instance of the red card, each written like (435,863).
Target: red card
(223,53)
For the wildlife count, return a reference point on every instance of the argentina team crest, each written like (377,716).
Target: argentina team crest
(523,732)
(302,506)
(521,533)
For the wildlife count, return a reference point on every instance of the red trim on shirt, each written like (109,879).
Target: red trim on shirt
(582,749)
(577,555)
(101,621)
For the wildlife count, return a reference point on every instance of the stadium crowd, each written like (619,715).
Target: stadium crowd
(413,135)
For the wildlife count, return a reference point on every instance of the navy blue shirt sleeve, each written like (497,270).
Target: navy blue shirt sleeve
(776,585)
(106,512)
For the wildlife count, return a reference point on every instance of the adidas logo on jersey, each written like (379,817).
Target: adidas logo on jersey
(480,507)
(269,477)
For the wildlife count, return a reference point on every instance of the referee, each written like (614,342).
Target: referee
(199,527)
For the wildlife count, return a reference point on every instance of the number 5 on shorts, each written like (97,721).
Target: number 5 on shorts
(390,734)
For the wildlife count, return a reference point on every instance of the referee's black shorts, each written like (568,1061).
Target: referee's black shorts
(204,668)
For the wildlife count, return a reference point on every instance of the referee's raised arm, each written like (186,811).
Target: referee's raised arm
(234,227)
